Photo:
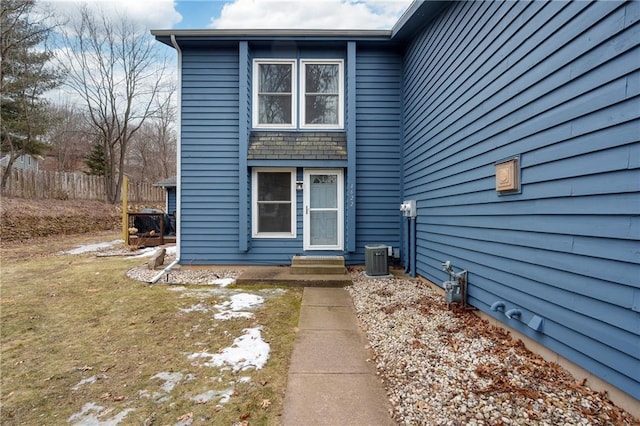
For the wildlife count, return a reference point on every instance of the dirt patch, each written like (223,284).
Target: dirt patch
(22,219)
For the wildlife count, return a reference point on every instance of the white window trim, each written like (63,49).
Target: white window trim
(294,94)
(254,204)
(302,94)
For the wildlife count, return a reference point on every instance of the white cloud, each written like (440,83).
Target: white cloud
(145,13)
(312,14)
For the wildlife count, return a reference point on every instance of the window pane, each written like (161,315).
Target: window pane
(321,109)
(275,186)
(274,109)
(274,217)
(275,78)
(321,78)
(324,228)
(323,192)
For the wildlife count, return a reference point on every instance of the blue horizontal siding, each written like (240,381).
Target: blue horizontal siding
(378,149)
(209,155)
(556,83)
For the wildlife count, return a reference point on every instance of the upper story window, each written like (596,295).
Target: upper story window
(276,94)
(274,89)
(322,90)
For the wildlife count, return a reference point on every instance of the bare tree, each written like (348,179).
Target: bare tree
(70,138)
(152,155)
(115,68)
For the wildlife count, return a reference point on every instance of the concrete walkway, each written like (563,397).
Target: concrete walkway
(330,381)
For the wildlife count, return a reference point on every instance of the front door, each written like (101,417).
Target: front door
(323,209)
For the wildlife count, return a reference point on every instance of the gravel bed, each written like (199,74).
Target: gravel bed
(442,367)
(180,275)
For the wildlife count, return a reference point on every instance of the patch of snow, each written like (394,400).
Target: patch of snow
(171,380)
(195,308)
(145,252)
(234,308)
(171,250)
(227,315)
(210,395)
(86,417)
(88,248)
(200,293)
(248,350)
(244,379)
(274,291)
(223,282)
(157,397)
(91,379)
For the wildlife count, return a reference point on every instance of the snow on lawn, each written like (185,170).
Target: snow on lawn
(235,307)
(88,248)
(248,350)
(149,251)
(93,414)
(223,282)
(88,380)
(210,395)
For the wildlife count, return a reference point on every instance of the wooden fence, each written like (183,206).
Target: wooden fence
(42,184)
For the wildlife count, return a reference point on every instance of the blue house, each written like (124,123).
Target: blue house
(513,126)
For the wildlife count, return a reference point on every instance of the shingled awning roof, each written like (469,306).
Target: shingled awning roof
(167,183)
(297,146)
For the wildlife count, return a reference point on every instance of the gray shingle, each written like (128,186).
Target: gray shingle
(298,145)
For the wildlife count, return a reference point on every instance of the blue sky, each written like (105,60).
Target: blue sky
(197,14)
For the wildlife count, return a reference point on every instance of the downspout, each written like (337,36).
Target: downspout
(412,251)
(155,279)
(408,245)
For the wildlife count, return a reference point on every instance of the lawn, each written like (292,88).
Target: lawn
(81,343)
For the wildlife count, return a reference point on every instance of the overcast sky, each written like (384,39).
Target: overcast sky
(256,14)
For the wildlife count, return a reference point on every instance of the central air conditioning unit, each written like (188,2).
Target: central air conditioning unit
(376,263)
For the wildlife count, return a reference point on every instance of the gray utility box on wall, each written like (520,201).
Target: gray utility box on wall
(376,260)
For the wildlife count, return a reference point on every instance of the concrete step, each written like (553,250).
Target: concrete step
(282,276)
(318,265)
(318,270)
(317,260)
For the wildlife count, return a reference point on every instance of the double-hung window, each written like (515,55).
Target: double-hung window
(274,102)
(274,203)
(277,94)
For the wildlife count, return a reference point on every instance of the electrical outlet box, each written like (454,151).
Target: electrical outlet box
(408,208)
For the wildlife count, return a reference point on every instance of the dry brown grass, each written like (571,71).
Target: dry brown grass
(68,318)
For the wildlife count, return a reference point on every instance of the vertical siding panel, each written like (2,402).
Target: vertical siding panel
(557,84)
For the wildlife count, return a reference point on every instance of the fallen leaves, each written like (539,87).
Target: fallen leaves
(265,404)
(185,417)
(83,368)
(108,396)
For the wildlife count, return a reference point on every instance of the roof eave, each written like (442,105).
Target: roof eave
(220,35)
(417,15)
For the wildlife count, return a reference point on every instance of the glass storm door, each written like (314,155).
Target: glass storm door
(323,217)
